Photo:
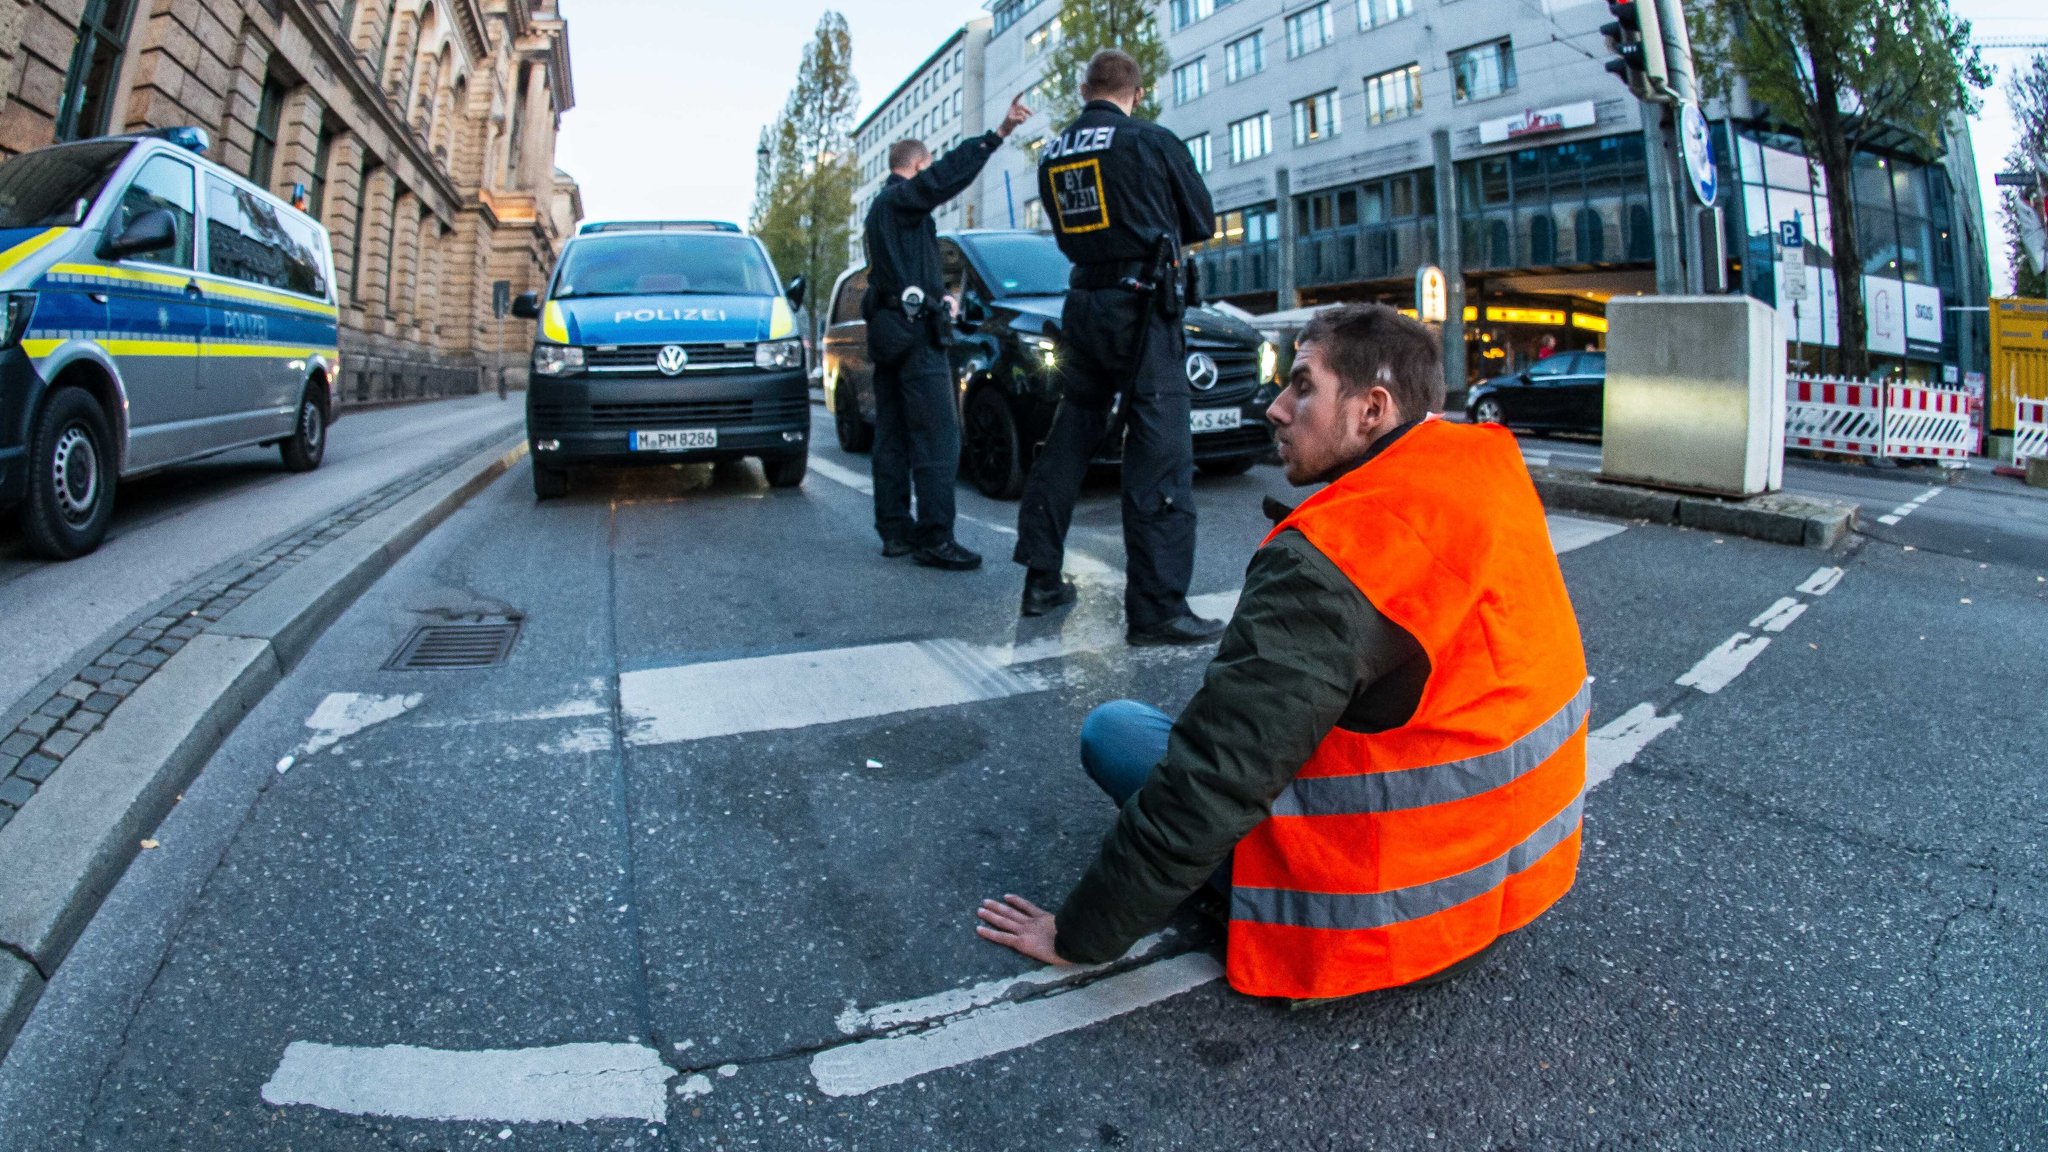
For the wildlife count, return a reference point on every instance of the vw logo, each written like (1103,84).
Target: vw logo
(672,359)
(1202,372)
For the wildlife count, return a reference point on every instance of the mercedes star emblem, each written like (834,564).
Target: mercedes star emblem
(1202,371)
(672,359)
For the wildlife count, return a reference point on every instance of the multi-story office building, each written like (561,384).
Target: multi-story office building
(1342,138)
(941,103)
(421,132)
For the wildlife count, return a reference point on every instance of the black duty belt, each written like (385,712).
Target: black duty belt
(1090,277)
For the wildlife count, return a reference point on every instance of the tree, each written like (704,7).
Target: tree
(805,171)
(1843,75)
(2028,91)
(1087,27)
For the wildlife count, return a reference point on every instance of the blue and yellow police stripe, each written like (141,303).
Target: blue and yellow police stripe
(110,276)
(28,248)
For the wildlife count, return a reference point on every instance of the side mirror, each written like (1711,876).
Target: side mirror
(526,306)
(795,292)
(153,231)
(972,311)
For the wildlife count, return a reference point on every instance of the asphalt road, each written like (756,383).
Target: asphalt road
(728,807)
(173,527)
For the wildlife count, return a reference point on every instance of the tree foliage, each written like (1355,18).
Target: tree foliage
(1843,76)
(2027,88)
(1089,26)
(806,172)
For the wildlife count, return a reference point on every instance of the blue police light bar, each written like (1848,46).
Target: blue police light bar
(601,226)
(188,138)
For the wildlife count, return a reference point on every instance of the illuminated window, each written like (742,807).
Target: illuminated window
(1315,117)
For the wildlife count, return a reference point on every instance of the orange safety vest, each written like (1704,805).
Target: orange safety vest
(1394,855)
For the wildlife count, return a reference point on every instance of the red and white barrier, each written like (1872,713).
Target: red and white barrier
(2029,430)
(1865,418)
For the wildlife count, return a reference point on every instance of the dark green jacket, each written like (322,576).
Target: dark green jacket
(1306,652)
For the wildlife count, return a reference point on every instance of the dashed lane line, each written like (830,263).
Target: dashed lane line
(1909,507)
(565,1084)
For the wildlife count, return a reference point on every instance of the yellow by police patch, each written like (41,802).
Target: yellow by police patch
(1078,201)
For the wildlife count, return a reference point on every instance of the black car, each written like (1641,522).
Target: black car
(1012,284)
(1565,392)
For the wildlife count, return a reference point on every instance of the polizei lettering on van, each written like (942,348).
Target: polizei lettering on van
(668,314)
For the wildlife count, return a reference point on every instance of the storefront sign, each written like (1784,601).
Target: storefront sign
(1432,295)
(1884,315)
(1923,315)
(1537,121)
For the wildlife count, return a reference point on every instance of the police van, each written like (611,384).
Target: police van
(662,342)
(157,308)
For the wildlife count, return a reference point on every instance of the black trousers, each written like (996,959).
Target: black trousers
(1115,344)
(917,447)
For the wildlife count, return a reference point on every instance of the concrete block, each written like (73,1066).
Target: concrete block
(20,987)
(2037,471)
(1566,491)
(68,845)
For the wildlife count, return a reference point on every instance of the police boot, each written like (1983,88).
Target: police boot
(1046,591)
(1179,630)
(947,555)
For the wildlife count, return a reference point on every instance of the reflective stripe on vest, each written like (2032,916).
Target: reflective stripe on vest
(1437,783)
(1353,910)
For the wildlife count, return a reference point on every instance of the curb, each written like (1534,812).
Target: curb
(65,850)
(1804,521)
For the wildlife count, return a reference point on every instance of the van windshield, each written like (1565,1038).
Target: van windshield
(1023,263)
(43,189)
(664,264)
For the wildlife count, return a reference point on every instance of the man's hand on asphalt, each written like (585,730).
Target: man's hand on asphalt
(1017,923)
(1018,115)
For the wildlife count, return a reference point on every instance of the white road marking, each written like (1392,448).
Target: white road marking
(1569,533)
(954,1001)
(1721,666)
(1909,507)
(1890,519)
(1539,459)
(862,1067)
(566,1084)
(580,740)
(1780,616)
(842,475)
(1620,740)
(1822,582)
(799,689)
(697,1085)
(343,714)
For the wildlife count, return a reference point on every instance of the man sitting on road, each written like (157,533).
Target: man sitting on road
(1382,770)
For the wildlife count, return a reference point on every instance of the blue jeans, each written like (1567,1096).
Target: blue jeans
(1121,742)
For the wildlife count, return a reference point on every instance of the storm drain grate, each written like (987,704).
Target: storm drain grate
(442,647)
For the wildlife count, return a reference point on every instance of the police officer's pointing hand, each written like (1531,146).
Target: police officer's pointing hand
(1018,114)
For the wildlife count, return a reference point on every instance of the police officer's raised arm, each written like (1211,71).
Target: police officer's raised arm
(950,174)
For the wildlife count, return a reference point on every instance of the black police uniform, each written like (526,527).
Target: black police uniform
(917,427)
(1114,187)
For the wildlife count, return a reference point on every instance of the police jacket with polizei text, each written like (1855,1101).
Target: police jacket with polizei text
(1113,184)
(902,240)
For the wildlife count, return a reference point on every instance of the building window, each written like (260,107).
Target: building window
(263,149)
(1191,80)
(89,86)
(1034,215)
(1392,95)
(1042,38)
(1186,12)
(1198,151)
(1373,13)
(1308,30)
(1315,117)
(1251,138)
(1482,71)
(1246,57)
(316,190)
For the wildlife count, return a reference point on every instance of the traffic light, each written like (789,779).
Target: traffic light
(1637,40)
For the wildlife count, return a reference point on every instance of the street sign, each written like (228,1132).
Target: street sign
(2014,179)
(1790,235)
(1696,148)
(1792,257)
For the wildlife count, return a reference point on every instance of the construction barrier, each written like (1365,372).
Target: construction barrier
(1865,418)
(2029,430)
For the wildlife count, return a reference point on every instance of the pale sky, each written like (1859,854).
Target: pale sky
(671,95)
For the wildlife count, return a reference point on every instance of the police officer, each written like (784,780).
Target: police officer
(1123,195)
(909,322)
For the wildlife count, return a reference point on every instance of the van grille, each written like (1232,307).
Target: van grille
(639,358)
(1237,374)
(625,417)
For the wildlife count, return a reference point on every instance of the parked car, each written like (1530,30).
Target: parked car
(661,343)
(1012,285)
(154,308)
(1563,393)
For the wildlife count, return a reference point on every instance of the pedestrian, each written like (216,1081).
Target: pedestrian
(1123,196)
(1383,769)
(910,320)
(1546,347)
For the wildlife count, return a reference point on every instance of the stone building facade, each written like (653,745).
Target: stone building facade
(421,132)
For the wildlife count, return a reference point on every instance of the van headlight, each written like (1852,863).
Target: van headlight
(556,360)
(1048,353)
(1269,362)
(15,313)
(779,354)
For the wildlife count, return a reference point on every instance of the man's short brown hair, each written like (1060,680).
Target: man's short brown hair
(1368,344)
(904,153)
(1111,73)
